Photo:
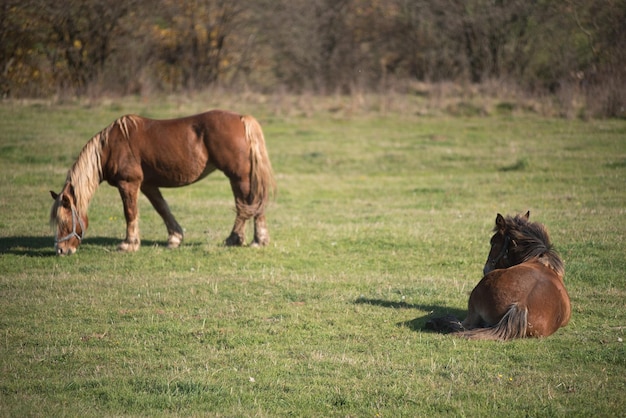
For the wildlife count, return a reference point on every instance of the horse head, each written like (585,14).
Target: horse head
(70,225)
(503,242)
(517,240)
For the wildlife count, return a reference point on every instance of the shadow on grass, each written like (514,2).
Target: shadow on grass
(419,323)
(44,246)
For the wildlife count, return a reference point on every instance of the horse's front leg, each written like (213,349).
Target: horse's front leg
(129,193)
(174,231)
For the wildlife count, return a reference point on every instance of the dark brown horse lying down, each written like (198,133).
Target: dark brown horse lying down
(139,154)
(522,293)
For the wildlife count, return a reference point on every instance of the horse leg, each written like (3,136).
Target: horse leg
(129,193)
(174,231)
(481,306)
(473,318)
(261,233)
(237,236)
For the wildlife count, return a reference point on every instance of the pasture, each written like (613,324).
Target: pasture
(382,220)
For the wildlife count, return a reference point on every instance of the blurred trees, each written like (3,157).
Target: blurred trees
(323,46)
(188,41)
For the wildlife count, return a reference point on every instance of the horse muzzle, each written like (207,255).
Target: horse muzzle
(61,245)
(64,250)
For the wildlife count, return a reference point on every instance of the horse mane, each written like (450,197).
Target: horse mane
(86,173)
(531,240)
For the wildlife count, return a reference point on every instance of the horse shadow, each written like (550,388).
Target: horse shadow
(421,323)
(38,246)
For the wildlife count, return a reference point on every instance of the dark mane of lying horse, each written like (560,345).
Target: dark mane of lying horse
(531,240)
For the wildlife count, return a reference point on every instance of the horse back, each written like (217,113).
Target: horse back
(530,284)
(177,152)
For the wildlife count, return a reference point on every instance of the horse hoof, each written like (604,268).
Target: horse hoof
(127,247)
(259,243)
(233,241)
(174,242)
(445,324)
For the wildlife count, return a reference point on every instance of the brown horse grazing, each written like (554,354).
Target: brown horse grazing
(136,153)
(522,293)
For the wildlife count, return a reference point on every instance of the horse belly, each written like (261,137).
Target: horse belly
(176,175)
(179,166)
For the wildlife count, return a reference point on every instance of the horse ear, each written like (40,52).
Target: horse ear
(527,215)
(65,200)
(500,223)
(54,195)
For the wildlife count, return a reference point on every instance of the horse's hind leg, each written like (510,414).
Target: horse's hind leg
(174,231)
(237,237)
(473,318)
(261,233)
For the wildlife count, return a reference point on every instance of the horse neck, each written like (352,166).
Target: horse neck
(86,173)
(552,260)
(544,254)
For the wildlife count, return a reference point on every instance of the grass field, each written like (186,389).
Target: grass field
(382,220)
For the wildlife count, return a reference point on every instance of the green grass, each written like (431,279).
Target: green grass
(381,221)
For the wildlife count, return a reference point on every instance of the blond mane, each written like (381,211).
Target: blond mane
(86,173)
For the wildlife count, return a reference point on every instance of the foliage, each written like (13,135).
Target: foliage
(87,47)
(382,220)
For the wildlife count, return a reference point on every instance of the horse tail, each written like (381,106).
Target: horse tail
(262,183)
(513,324)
